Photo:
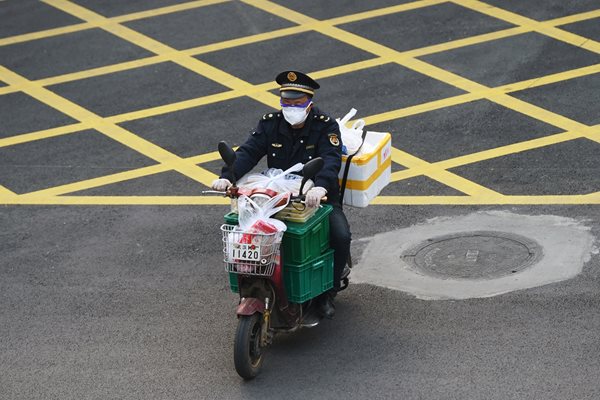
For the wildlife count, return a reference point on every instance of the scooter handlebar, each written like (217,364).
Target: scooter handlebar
(232,192)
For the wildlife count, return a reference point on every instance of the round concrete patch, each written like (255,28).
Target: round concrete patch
(478,255)
(474,255)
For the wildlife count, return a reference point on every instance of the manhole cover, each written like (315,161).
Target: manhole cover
(474,255)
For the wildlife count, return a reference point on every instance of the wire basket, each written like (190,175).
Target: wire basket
(249,253)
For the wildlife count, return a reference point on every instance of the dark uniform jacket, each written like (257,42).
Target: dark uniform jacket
(284,147)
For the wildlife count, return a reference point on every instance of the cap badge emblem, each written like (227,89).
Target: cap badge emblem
(292,76)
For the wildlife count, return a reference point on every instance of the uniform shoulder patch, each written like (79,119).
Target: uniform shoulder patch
(271,116)
(334,139)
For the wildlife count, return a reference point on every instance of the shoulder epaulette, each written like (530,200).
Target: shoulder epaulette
(322,117)
(271,116)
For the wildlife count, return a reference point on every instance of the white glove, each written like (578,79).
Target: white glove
(314,195)
(221,184)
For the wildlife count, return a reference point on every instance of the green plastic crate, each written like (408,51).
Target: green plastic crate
(302,244)
(233,282)
(301,241)
(231,218)
(308,280)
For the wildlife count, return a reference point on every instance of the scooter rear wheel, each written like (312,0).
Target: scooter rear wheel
(247,352)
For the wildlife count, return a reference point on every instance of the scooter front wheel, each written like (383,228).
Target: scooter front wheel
(247,352)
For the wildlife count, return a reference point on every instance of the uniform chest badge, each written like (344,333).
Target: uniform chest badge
(334,140)
(276,145)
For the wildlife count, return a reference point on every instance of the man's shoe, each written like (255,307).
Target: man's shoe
(326,305)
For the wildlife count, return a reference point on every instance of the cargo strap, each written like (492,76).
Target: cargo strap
(347,169)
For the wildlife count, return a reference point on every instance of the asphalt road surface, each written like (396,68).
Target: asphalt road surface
(111,276)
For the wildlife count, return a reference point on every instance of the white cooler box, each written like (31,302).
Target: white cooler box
(369,172)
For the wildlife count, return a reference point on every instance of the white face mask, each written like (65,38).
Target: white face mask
(295,115)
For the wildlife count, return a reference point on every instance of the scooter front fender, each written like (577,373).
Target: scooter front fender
(250,306)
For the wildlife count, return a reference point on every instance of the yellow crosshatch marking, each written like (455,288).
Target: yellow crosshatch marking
(474,194)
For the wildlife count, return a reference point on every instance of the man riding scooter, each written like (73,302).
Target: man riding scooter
(299,133)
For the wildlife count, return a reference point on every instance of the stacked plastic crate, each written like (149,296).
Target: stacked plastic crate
(307,257)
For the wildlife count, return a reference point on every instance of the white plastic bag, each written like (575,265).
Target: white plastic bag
(254,218)
(276,179)
(257,228)
(351,137)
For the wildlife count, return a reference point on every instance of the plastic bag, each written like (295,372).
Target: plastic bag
(257,229)
(254,218)
(351,137)
(276,179)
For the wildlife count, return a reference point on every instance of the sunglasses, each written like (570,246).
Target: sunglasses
(303,105)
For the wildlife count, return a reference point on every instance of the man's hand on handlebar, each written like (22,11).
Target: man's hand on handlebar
(221,184)
(314,195)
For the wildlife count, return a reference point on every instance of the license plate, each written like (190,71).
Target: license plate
(246,252)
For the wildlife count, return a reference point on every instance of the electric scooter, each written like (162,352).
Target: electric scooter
(277,285)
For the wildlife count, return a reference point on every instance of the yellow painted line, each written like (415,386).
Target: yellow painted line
(458,81)
(537,112)
(283,32)
(97,182)
(157,47)
(383,11)
(207,157)
(26,37)
(594,135)
(44,34)
(370,46)
(250,39)
(382,51)
(570,19)
(43,134)
(443,75)
(490,154)
(115,132)
(373,119)
(4,192)
(550,79)
(428,69)
(165,10)
(105,70)
(443,176)
(118,200)
(169,108)
(473,200)
(282,12)
(254,39)
(420,108)
(152,60)
(286,32)
(118,177)
(508,149)
(472,40)
(593,196)
(344,69)
(537,26)
(157,153)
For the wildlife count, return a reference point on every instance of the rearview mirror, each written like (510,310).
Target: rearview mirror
(228,155)
(311,169)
